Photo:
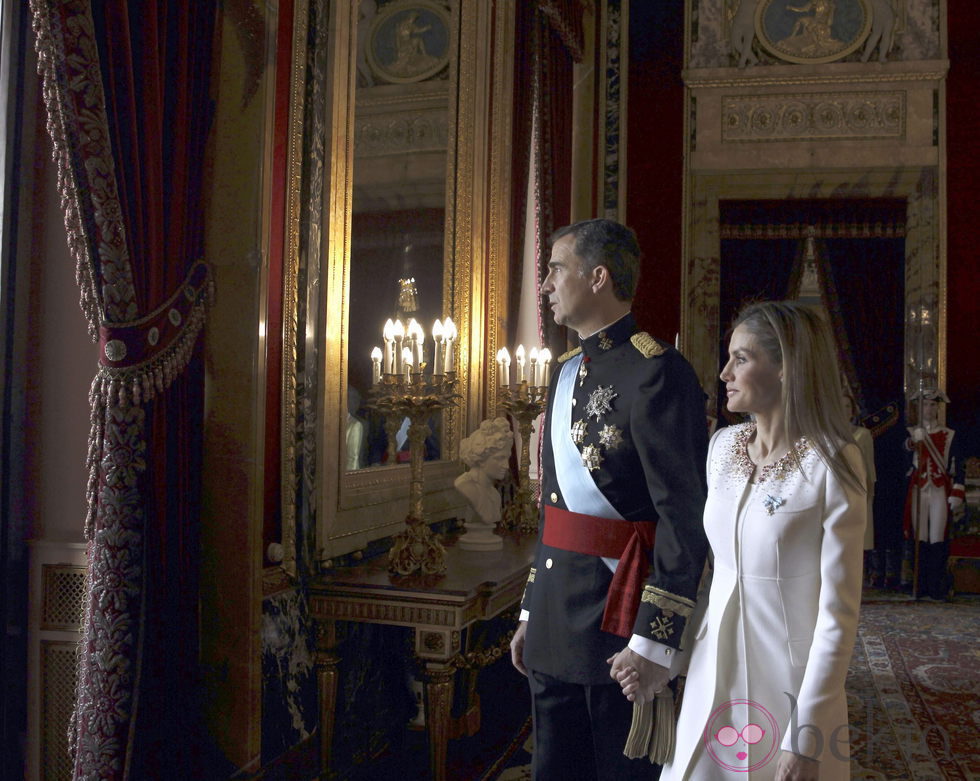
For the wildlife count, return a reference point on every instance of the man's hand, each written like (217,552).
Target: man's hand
(517,648)
(918,434)
(793,767)
(639,678)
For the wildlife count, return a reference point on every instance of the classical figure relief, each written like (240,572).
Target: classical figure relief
(408,40)
(812,35)
(814,31)
(743,33)
(411,56)
(882,30)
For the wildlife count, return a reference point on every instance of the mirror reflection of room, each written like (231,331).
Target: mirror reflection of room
(398,249)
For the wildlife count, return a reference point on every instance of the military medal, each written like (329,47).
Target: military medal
(599,401)
(591,457)
(583,370)
(611,437)
(579,428)
(605,343)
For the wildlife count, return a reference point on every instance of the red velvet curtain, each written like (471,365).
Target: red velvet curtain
(548,42)
(126,85)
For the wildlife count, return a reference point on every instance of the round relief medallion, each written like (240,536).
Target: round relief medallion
(115,350)
(409,41)
(153,336)
(174,316)
(812,31)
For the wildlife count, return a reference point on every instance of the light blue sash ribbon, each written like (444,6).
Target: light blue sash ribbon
(574,479)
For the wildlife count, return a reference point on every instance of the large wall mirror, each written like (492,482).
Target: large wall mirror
(395,211)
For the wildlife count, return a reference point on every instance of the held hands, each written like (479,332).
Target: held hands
(793,767)
(638,677)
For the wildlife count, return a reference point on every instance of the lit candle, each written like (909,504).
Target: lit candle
(501,377)
(534,367)
(521,361)
(410,337)
(399,333)
(407,361)
(416,340)
(450,333)
(545,358)
(437,347)
(677,341)
(375,365)
(506,366)
(389,356)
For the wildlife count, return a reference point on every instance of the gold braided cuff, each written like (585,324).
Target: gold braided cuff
(682,606)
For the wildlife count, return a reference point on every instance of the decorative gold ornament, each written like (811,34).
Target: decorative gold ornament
(524,402)
(416,397)
(647,345)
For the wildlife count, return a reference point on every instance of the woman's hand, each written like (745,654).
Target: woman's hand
(793,767)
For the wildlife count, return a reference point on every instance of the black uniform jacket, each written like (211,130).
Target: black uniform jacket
(649,450)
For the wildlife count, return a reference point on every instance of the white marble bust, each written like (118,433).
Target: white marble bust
(487,454)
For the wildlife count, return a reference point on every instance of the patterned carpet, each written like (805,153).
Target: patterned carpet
(913,694)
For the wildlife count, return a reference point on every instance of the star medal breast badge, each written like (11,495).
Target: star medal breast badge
(611,437)
(591,457)
(599,402)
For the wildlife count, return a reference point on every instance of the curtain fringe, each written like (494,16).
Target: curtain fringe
(114,388)
(46,30)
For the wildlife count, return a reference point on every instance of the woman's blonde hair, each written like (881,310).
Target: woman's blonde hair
(796,338)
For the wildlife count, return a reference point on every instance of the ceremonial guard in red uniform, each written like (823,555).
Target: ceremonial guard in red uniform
(935,490)
(622,544)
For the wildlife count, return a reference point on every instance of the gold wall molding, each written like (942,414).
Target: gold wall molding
(352,508)
(810,116)
(405,134)
(832,73)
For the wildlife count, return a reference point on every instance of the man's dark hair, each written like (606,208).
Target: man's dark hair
(602,242)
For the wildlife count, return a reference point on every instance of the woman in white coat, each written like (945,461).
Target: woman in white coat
(785,516)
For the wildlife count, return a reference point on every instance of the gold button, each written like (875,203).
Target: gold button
(549,563)
(554,497)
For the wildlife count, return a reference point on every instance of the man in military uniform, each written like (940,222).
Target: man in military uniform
(622,544)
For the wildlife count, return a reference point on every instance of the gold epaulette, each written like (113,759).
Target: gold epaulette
(647,345)
(570,354)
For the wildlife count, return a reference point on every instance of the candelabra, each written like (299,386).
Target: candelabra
(416,397)
(524,402)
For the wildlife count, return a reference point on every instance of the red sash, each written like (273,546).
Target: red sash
(610,538)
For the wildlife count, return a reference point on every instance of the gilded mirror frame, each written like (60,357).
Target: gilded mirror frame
(327,511)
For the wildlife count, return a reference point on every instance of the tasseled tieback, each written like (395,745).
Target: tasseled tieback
(142,358)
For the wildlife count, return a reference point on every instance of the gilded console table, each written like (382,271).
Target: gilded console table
(478,586)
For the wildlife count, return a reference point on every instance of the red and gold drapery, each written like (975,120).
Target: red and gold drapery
(548,41)
(126,87)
